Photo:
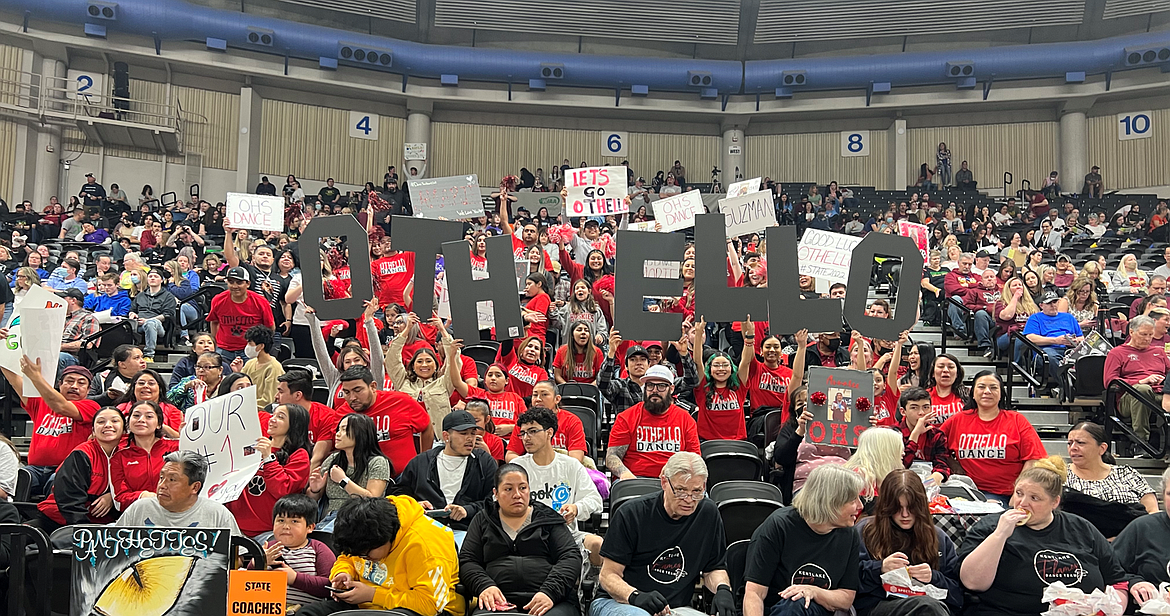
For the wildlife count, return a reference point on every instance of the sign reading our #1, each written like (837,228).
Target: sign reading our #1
(596,191)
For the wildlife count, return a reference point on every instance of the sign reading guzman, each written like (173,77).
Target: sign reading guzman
(596,191)
(258,212)
(750,213)
(450,198)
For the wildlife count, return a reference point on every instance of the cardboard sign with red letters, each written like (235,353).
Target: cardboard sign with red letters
(596,191)
(833,395)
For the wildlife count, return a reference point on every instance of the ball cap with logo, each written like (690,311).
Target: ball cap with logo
(238,273)
(1049,296)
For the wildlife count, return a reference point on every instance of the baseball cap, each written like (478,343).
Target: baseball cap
(1094,167)
(637,349)
(1063,257)
(652,343)
(89,175)
(239,273)
(1049,296)
(82,370)
(658,373)
(74,292)
(982,254)
(456,421)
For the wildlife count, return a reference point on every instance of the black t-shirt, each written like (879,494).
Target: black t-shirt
(266,189)
(664,554)
(1069,550)
(329,195)
(257,285)
(784,552)
(1143,548)
(92,194)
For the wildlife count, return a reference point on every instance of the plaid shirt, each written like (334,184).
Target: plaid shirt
(79,325)
(930,447)
(624,393)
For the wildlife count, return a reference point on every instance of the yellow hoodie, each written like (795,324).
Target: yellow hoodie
(421,571)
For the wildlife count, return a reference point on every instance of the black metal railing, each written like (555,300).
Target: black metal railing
(1118,388)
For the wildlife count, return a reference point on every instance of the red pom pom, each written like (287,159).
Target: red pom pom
(818,398)
(862,404)
(377,202)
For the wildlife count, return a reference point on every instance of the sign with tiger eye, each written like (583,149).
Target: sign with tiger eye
(149,571)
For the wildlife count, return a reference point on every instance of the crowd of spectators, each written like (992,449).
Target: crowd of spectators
(429,468)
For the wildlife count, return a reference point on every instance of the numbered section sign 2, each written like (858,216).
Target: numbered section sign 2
(613,143)
(855,143)
(363,125)
(1135,125)
(86,85)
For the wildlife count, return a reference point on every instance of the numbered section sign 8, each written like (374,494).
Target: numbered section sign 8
(363,125)
(613,143)
(1135,125)
(855,143)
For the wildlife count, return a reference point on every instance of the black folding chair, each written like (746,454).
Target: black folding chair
(629,489)
(41,570)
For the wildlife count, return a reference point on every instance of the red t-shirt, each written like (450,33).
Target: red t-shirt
(721,416)
(56,435)
(570,435)
(235,319)
(768,387)
(506,406)
(520,252)
(885,408)
(522,377)
(343,284)
(1132,365)
(495,445)
(397,418)
(253,509)
(652,439)
(467,370)
(944,407)
(581,372)
(322,422)
(392,275)
(540,304)
(993,452)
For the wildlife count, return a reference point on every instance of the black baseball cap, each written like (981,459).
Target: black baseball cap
(457,421)
(239,273)
(637,349)
(1049,296)
(75,293)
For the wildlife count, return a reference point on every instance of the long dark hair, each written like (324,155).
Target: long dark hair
(226,384)
(589,275)
(298,433)
(361,429)
(883,536)
(925,364)
(958,388)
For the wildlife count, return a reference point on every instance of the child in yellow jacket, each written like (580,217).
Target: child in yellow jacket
(391,555)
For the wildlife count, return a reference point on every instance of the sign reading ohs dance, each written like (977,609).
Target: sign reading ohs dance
(780,302)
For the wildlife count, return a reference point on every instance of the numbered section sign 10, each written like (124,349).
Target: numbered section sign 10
(363,125)
(1135,125)
(613,143)
(855,143)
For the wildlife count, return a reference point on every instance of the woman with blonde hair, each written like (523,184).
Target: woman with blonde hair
(1012,310)
(1034,535)
(1081,300)
(1093,271)
(242,244)
(25,279)
(879,451)
(1128,277)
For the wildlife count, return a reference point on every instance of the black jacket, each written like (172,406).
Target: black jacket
(543,558)
(420,479)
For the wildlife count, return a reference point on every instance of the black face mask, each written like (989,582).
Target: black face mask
(834,344)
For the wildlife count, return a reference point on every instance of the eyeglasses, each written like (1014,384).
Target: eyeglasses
(656,386)
(687,495)
(531,433)
(203,367)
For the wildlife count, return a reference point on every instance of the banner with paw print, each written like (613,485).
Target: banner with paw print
(224,430)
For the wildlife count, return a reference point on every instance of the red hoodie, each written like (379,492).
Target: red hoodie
(133,470)
(253,509)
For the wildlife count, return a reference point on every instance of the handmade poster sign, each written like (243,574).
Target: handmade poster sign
(149,571)
(679,211)
(741,188)
(918,233)
(596,191)
(661,269)
(750,213)
(259,212)
(449,198)
(224,430)
(256,592)
(648,226)
(44,314)
(825,255)
(840,401)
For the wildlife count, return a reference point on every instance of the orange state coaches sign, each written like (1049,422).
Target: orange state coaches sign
(256,592)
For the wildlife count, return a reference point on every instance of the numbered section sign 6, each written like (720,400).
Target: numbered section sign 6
(855,143)
(363,125)
(613,143)
(1135,125)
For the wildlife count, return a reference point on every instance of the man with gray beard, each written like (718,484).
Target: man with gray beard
(647,434)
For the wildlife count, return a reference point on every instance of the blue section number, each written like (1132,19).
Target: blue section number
(1136,124)
(84,82)
(855,144)
(364,125)
(614,143)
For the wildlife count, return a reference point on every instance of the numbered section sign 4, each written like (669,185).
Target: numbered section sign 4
(1135,125)
(363,125)
(855,143)
(613,143)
